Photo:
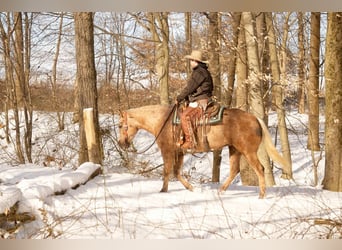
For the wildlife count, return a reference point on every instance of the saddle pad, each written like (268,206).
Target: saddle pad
(211,121)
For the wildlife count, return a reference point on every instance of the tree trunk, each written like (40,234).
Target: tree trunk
(283,50)
(333,111)
(241,71)
(313,133)
(6,41)
(214,53)
(188,37)
(60,116)
(248,176)
(228,97)
(214,67)
(161,40)
(278,96)
(264,59)
(86,80)
(17,93)
(256,100)
(301,65)
(90,133)
(19,55)
(28,109)
(254,73)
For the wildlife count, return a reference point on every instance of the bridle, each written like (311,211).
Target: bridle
(124,126)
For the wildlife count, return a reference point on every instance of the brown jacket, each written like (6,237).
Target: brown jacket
(199,86)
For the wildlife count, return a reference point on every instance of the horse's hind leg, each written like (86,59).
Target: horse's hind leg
(253,161)
(177,171)
(234,167)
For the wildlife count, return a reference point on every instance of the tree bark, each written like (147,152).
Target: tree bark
(90,133)
(60,116)
(9,78)
(86,80)
(313,130)
(232,63)
(161,40)
(19,55)
(278,96)
(188,38)
(333,112)
(256,100)
(248,176)
(301,65)
(214,68)
(241,71)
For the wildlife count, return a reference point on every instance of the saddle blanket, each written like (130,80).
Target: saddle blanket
(209,118)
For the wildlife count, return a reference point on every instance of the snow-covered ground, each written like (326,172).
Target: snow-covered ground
(124,202)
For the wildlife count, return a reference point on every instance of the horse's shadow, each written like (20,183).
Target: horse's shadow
(236,190)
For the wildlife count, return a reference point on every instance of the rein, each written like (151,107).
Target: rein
(125,127)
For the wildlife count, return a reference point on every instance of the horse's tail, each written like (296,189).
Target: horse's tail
(270,148)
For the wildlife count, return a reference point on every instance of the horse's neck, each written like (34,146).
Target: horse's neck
(150,119)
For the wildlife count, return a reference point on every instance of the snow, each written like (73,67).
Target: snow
(125,203)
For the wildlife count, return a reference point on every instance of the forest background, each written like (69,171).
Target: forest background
(64,62)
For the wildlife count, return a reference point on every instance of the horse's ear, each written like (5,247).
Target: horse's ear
(121,113)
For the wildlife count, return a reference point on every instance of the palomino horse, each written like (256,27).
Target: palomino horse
(242,132)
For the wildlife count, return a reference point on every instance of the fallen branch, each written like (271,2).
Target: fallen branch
(328,222)
(11,220)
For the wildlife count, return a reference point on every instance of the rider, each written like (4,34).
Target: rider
(198,91)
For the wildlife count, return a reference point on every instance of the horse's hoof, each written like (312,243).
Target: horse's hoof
(261,196)
(221,191)
(191,188)
(163,190)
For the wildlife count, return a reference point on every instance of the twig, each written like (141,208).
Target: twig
(150,169)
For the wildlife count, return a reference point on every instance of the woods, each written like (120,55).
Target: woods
(260,62)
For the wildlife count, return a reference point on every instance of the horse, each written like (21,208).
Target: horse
(241,131)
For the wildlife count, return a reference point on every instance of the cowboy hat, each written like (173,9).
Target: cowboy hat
(197,56)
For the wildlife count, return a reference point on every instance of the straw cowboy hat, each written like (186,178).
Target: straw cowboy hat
(197,56)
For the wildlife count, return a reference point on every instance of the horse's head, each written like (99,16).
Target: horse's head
(127,130)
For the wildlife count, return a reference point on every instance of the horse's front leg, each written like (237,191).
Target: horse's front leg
(234,165)
(173,160)
(177,171)
(166,176)
(168,158)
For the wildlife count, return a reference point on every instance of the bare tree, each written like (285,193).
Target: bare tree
(17,67)
(264,58)
(160,32)
(188,38)
(301,64)
(278,95)
(6,36)
(241,70)
(227,98)
(60,115)
(214,67)
(86,81)
(255,84)
(248,176)
(333,112)
(313,95)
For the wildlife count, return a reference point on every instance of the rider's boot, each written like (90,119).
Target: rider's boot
(188,140)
